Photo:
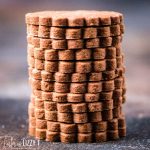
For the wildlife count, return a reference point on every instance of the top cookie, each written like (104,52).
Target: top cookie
(78,18)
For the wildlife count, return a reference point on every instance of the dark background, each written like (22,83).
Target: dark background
(14,89)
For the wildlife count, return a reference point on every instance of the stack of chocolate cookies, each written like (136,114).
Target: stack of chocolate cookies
(76,73)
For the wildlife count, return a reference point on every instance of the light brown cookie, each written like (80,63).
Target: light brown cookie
(75,98)
(53,126)
(51,54)
(52,136)
(89,97)
(84,128)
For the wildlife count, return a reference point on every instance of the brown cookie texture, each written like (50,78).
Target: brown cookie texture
(83,67)
(118,51)
(40,134)
(92,43)
(68,128)
(36,84)
(78,77)
(36,42)
(45,43)
(66,67)
(84,128)
(51,54)
(107,104)
(77,21)
(115,30)
(116,40)
(84,137)
(100,126)
(113,134)
(79,108)
(117,112)
(118,83)
(36,74)
(31,110)
(73,33)
(59,44)
(94,107)
(89,33)
(61,87)
(122,132)
(106,41)
(108,75)
(90,97)
(121,122)
(92,20)
(32,18)
(75,98)
(103,31)
(105,20)
(53,126)
(108,85)
(45,20)
(47,86)
(65,117)
(99,66)
(75,44)
(32,121)
(83,54)
(52,136)
(47,76)
(67,138)
(44,32)
(77,88)
(37,93)
(112,124)
(117,93)
(47,96)
(95,76)
(32,30)
(41,124)
(64,107)
(74,18)
(59,21)
(95,116)
(51,115)
(117,102)
(39,113)
(107,115)
(29,40)
(100,136)
(57,33)
(110,52)
(122,28)
(39,103)
(111,64)
(31,130)
(80,118)
(66,55)
(50,106)
(60,97)
(99,53)
(94,87)
(30,50)
(62,77)
(39,64)
(51,66)
(76,73)
(31,62)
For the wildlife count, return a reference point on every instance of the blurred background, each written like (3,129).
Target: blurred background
(136,45)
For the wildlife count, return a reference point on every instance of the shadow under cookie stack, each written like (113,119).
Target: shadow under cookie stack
(76,73)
